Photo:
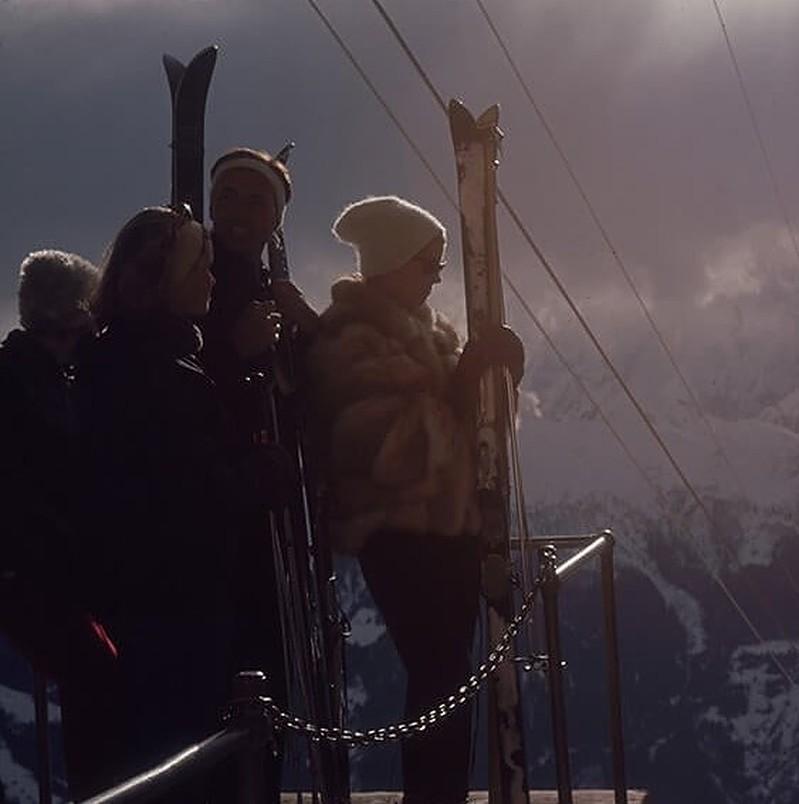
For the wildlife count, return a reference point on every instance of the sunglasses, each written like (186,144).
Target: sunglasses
(434,267)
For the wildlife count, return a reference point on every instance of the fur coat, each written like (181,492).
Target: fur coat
(397,455)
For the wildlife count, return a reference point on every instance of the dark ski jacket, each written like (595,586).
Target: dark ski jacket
(170,490)
(238,282)
(246,390)
(171,485)
(43,606)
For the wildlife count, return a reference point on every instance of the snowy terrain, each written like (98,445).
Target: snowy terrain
(17,735)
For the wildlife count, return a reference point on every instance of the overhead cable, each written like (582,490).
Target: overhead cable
(553,276)
(750,109)
(605,357)
(608,242)
(597,408)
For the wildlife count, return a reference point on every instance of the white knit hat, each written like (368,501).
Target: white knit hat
(385,232)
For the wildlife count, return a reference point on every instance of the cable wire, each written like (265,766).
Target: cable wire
(553,276)
(617,256)
(783,209)
(597,408)
(606,359)
(608,242)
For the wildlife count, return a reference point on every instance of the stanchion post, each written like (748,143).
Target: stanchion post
(548,557)
(42,736)
(613,671)
(250,694)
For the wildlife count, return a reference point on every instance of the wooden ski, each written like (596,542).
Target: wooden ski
(476,145)
(188,86)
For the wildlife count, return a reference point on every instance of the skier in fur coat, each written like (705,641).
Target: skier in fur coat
(395,394)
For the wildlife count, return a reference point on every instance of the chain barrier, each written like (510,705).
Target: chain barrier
(400,731)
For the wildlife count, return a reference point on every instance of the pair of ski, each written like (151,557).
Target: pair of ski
(476,144)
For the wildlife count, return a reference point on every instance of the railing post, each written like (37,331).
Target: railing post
(249,689)
(41,709)
(548,556)
(613,671)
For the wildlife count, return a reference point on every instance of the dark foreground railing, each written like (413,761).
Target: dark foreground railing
(246,737)
(252,715)
(195,761)
(552,576)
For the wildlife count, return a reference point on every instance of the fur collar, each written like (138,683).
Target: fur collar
(355,300)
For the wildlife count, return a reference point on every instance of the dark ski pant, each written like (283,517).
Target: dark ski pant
(426,587)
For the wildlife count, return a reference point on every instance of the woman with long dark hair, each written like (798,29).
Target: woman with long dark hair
(167,486)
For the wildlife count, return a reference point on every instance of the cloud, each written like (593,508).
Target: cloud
(744,264)
(641,96)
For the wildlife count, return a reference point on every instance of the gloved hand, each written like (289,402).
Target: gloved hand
(293,306)
(256,330)
(496,346)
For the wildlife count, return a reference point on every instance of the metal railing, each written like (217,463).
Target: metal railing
(252,716)
(551,577)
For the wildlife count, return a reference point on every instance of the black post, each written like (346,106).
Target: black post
(613,672)
(42,736)
(549,591)
(250,688)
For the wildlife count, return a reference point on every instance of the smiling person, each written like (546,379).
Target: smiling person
(250,311)
(249,194)
(395,395)
(168,483)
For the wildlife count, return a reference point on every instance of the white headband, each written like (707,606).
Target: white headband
(249,163)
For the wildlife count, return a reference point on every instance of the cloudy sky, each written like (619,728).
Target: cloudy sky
(642,97)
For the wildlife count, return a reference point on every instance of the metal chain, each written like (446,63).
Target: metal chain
(400,731)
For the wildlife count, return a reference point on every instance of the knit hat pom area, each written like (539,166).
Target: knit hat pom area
(386,232)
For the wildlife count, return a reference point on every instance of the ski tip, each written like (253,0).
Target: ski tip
(459,114)
(489,118)
(285,152)
(461,120)
(174,72)
(207,54)
(457,109)
(171,63)
(204,61)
